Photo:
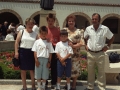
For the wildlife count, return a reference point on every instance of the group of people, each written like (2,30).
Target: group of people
(9,32)
(60,50)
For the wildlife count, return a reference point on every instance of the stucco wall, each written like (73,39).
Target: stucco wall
(25,10)
(91,1)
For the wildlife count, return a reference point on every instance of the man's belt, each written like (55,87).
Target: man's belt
(94,51)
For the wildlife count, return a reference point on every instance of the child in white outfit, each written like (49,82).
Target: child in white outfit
(42,53)
(9,36)
(64,52)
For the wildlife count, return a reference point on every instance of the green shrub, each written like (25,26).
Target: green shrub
(8,73)
(83,75)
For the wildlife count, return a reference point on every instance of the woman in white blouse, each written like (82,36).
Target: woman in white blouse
(25,54)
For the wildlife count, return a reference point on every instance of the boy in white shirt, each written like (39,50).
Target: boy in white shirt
(64,52)
(42,53)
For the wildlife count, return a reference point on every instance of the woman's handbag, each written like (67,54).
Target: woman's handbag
(16,62)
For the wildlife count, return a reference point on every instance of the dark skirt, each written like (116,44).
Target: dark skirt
(27,61)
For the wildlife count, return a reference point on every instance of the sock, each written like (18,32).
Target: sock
(43,85)
(68,86)
(58,85)
(39,84)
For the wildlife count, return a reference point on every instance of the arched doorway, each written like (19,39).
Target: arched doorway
(37,19)
(82,20)
(112,21)
(10,16)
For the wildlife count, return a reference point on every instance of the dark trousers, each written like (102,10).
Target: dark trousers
(54,69)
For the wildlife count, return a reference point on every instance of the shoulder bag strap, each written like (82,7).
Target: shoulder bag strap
(21,38)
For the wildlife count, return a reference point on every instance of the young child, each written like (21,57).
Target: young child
(9,36)
(42,53)
(64,52)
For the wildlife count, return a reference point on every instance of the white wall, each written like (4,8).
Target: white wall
(91,1)
(64,10)
(85,1)
(25,10)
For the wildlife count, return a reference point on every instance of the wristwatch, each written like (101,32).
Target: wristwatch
(107,46)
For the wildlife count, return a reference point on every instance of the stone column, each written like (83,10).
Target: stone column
(43,14)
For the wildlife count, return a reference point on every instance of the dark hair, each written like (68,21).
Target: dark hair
(12,24)
(9,31)
(99,17)
(50,15)
(43,29)
(63,32)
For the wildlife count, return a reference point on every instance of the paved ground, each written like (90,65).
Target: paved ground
(16,85)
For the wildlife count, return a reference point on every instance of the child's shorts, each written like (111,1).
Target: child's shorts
(61,69)
(42,72)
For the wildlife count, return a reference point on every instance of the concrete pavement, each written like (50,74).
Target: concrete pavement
(16,85)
